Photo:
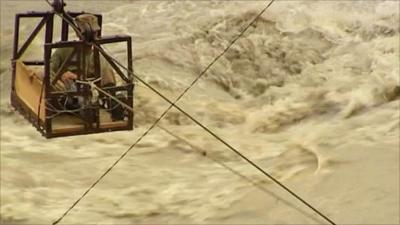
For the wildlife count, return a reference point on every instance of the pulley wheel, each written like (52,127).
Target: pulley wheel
(58,6)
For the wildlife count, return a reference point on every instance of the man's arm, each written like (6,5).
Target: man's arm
(57,60)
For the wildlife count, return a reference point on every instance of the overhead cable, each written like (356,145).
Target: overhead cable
(173,104)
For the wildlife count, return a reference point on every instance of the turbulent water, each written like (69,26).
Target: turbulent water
(310,93)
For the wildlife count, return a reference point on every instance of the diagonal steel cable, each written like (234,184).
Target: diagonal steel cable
(173,104)
(256,184)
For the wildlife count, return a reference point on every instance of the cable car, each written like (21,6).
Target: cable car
(40,94)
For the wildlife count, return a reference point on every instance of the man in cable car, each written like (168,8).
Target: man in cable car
(70,73)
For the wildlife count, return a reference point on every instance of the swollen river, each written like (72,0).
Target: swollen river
(310,93)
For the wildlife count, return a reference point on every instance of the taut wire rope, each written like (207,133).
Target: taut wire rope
(173,104)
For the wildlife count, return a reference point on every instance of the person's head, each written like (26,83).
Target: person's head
(88,22)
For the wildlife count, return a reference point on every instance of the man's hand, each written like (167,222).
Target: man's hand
(69,76)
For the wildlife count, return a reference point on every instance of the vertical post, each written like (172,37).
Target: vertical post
(96,61)
(84,90)
(47,56)
(46,83)
(49,29)
(64,30)
(100,20)
(79,65)
(16,36)
(97,72)
(130,61)
(130,77)
(15,51)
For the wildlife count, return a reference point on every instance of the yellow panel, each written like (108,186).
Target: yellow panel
(28,87)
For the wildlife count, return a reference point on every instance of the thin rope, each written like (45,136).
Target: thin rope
(173,104)
(39,106)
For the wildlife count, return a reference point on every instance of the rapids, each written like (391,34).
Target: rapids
(311,93)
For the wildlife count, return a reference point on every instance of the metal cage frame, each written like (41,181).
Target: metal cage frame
(44,126)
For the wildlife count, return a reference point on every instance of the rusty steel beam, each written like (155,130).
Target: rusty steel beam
(32,36)
(130,77)
(15,51)
(34,63)
(46,82)
(112,39)
(35,14)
